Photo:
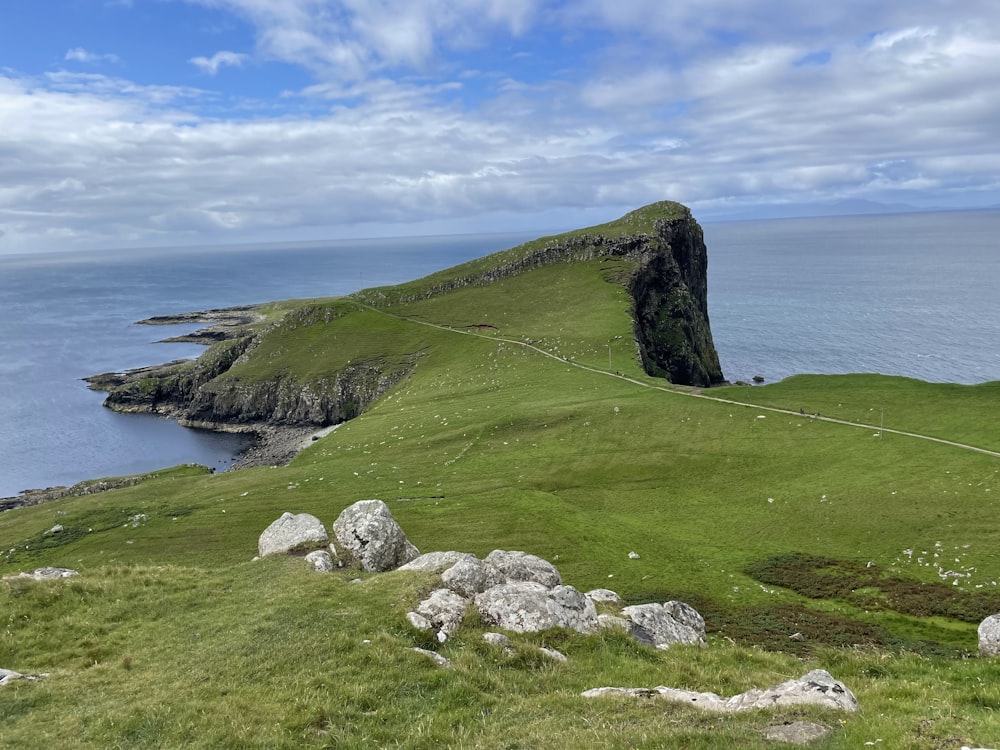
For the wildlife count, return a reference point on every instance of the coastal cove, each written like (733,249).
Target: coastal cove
(907,294)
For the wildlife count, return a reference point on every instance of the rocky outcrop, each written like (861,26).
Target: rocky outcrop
(368,531)
(989,636)
(816,688)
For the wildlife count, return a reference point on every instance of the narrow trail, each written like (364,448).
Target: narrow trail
(676,392)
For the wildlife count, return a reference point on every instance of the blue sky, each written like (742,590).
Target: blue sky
(172,122)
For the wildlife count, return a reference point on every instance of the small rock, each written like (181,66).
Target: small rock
(467,577)
(434,656)
(419,621)
(54,530)
(796,732)
(321,561)
(553,654)
(435,562)
(633,555)
(9,675)
(611,622)
(444,610)
(497,639)
(603,596)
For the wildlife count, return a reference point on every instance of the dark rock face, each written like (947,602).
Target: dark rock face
(670,290)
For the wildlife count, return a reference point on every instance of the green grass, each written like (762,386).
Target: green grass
(769,523)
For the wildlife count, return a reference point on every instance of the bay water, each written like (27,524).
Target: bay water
(907,294)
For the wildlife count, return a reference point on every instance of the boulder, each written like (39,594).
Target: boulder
(444,610)
(369,532)
(529,607)
(504,566)
(499,640)
(989,636)
(663,625)
(816,688)
(290,532)
(466,577)
(435,562)
(321,560)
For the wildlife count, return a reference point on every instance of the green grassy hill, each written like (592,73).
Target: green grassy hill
(521,418)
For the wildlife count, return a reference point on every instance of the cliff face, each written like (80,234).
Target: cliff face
(667,283)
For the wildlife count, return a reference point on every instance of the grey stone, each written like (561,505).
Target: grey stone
(291,531)
(816,688)
(48,573)
(419,621)
(663,625)
(435,562)
(551,653)
(511,566)
(321,560)
(989,636)
(54,530)
(603,692)
(610,622)
(603,596)
(796,732)
(434,656)
(530,607)
(444,610)
(466,577)
(9,675)
(497,639)
(369,532)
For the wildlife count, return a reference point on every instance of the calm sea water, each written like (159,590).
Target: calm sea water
(908,295)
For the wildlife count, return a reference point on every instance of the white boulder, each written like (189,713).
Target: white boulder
(369,532)
(290,532)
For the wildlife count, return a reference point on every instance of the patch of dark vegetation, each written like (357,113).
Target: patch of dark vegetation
(796,629)
(867,585)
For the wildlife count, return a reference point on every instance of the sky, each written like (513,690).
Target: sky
(136,123)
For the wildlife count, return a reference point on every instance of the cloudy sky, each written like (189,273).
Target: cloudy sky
(173,122)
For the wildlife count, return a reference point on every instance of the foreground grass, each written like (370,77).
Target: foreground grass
(271,655)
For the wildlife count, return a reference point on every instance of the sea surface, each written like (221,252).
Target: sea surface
(908,294)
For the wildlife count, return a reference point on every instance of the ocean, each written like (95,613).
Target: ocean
(907,294)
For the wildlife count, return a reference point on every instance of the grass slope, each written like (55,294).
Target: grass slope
(171,637)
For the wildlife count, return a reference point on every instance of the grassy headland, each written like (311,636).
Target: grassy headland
(508,427)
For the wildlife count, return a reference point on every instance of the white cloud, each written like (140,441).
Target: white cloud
(711,105)
(211,65)
(79,54)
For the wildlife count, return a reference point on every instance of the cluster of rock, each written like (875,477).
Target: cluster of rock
(817,688)
(512,590)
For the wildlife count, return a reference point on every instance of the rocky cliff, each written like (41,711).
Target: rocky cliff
(667,282)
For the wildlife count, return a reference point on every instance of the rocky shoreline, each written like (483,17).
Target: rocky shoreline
(272,446)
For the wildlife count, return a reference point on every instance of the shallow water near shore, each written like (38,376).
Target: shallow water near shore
(910,294)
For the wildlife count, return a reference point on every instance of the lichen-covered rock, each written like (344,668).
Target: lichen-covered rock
(816,688)
(434,656)
(321,560)
(662,625)
(989,636)
(507,566)
(435,562)
(796,732)
(368,531)
(290,532)
(466,577)
(444,610)
(530,607)
(603,596)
